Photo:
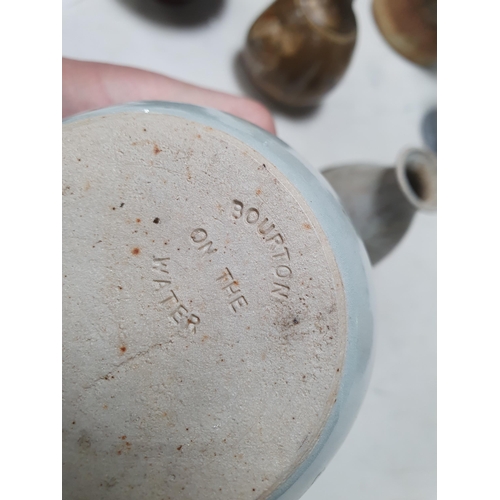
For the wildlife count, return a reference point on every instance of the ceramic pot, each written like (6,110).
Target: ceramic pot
(298,50)
(410,27)
(429,129)
(217,318)
(381,201)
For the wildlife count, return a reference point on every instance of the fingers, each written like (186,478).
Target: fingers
(254,112)
(88,85)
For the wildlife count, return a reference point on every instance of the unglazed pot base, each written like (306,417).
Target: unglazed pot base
(204,326)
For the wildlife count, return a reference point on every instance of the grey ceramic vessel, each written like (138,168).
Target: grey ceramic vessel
(381,201)
(217,308)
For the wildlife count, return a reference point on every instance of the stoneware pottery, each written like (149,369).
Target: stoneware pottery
(176,12)
(381,201)
(410,27)
(298,50)
(429,129)
(217,319)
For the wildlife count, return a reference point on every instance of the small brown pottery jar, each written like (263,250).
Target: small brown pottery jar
(297,50)
(410,27)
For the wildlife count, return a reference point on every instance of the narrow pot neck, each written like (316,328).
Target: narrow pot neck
(334,18)
(416,172)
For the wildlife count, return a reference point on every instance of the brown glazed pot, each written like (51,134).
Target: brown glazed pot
(297,50)
(410,27)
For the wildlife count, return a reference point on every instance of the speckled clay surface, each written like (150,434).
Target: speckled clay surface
(217,325)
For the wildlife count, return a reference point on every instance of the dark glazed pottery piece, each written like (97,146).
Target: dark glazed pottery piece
(410,27)
(298,50)
(381,201)
(188,13)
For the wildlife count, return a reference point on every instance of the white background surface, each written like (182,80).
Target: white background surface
(375,111)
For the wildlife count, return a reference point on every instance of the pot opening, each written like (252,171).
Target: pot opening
(417,175)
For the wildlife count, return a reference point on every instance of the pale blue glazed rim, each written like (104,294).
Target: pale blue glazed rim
(352,262)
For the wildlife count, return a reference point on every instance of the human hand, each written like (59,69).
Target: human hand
(90,85)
